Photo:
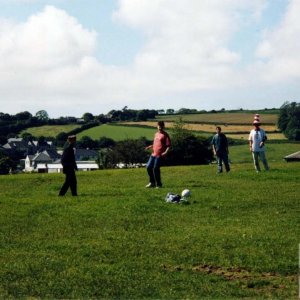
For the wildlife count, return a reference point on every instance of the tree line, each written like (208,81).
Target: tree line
(187,149)
(289,120)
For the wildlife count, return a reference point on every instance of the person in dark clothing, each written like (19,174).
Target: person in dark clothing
(69,167)
(220,149)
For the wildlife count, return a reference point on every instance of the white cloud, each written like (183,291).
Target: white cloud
(279,51)
(43,61)
(49,62)
(48,39)
(187,46)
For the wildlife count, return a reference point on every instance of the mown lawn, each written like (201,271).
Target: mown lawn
(238,238)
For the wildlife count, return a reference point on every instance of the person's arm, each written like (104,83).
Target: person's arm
(213,146)
(264,138)
(250,143)
(167,144)
(226,148)
(214,149)
(166,151)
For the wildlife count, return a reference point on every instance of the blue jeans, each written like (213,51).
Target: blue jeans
(153,169)
(262,156)
(222,157)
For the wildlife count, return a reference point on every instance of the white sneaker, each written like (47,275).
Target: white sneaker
(150,185)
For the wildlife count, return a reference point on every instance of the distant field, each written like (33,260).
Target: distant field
(234,125)
(50,130)
(223,118)
(208,127)
(117,133)
(135,131)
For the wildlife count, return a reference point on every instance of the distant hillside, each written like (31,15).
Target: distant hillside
(235,124)
(117,133)
(243,118)
(50,130)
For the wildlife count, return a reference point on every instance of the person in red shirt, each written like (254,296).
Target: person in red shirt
(160,147)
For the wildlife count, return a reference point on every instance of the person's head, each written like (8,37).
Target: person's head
(72,139)
(160,125)
(218,129)
(256,123)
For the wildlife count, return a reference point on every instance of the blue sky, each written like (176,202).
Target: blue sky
(71,57)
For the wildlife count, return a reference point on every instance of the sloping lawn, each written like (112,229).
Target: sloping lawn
(238,237)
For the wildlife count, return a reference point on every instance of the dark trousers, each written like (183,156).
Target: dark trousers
(153,169)
(70,182)
(223,157)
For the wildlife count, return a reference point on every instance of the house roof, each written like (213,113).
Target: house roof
(15,140)
(86,152)
(15,144)
(42,157)
(52,153)
(293,157)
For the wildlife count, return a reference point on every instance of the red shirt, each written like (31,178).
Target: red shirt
(161,143)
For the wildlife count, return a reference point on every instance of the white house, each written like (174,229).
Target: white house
(45,157)
(58,168)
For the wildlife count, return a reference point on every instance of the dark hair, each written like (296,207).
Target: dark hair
(218,127)
(72,138)
(161,124)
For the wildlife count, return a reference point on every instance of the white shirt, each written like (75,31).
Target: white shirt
(257,137)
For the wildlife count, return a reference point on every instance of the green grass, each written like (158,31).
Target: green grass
(50,130)
(224,118)
(237,239)
(274,152)
(118,132)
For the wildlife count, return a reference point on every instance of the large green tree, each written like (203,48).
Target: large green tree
(187,149)
(289,120)
(42,115)
(6,164)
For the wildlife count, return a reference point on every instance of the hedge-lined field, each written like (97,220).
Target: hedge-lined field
(235,125)
(50,130)
(117,133)
(208,128)
(224,118)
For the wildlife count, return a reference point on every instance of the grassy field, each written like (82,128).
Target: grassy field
(118,133)
(238,238)
(224,118)
(205,127)
(136,130)
(50,130)
(235,125)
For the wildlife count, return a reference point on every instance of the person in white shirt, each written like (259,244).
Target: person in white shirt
(257,139)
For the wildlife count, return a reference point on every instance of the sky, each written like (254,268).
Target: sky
(70,57)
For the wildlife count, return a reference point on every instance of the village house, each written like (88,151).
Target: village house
(48,161)
(42,156)
(45,157)
(86,154)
